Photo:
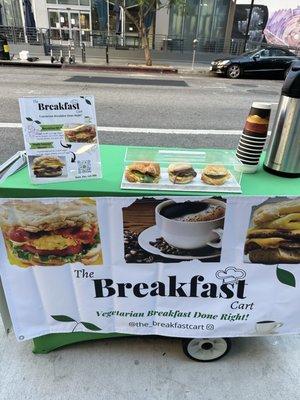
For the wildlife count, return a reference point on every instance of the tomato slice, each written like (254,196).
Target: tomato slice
(64,252)
(85,236)
(18,235)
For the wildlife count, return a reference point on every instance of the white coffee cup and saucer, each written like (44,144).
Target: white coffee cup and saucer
(197,240)
(267,327)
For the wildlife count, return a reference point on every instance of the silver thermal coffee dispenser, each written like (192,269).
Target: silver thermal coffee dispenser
(283,153)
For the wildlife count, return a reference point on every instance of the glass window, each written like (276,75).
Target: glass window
(280,53)
(69,2)
(84,21)
(52,1)
(84,2)
(11,13)
(176,20)
(265,53)
(53,19)
(191,19)
(64,19)
(74,19)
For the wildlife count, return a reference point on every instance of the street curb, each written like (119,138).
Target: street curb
(107,68)
(122,68)
(202,72)
(113,68)
(8,63)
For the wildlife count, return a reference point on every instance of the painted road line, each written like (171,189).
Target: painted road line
(11,125)
(217,132)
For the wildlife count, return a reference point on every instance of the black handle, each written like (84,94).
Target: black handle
(291,86)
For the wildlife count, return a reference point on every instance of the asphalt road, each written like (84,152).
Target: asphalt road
(145,105)
(204,103)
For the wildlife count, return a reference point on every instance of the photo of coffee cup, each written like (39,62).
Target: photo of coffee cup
(191,224)
(267,327)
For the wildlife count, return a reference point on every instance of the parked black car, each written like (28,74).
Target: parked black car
(265,60)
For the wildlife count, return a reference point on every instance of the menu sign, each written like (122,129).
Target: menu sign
(176,266)
(60,135)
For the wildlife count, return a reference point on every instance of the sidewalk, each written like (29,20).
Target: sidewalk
(114,66)
(121,60)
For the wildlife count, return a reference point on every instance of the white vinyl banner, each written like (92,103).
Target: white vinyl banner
(176,266)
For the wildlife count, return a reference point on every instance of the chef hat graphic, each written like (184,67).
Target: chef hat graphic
(231,275)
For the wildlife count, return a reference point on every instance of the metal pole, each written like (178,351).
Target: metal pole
(248,25)
(193,62)
(195,42)
(83,54)
(122,26)
(106,54)
(107,3)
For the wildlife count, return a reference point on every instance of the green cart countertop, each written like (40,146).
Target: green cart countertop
(19,185)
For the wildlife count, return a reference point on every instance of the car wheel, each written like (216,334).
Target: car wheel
(234,71)
(206,350)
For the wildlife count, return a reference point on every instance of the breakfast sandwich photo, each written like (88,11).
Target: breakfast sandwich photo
(84,133)
(51,232)
(273,236)
(47,166)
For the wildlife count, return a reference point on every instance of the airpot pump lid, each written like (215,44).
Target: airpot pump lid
(291,86)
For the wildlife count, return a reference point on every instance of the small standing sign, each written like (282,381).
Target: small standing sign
(60,135)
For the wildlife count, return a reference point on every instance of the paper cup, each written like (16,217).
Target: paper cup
(257,121)
(241,153)
(247,161)
(254,138)
(243,157)
(246,168)
(250,145)
(252,152)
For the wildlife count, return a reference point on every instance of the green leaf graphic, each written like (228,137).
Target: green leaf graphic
(285,277)
(63,318)
(90,326)
(88,102)
(29,119)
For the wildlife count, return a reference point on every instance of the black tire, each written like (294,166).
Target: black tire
(52,60)
(208,349)
(234,71)
(62,60)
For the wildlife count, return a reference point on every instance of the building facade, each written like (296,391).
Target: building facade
(214,23)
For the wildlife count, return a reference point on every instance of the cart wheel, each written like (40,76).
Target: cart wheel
(70,60)
(52,60)
(62,60)
(206,350)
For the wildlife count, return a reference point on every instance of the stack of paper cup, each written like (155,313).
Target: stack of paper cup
(254,136)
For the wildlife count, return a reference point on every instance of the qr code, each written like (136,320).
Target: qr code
(84,166)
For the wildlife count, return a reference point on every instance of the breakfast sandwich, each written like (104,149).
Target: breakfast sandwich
(57,233)
(143,172)
(81,134)
(47,167)
(274,236)
(181,173)
(215,175)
